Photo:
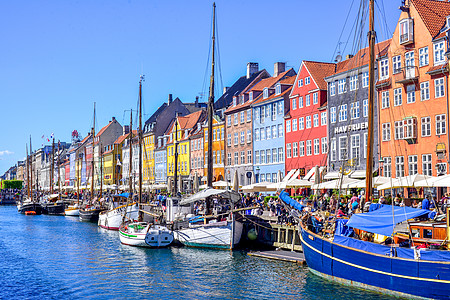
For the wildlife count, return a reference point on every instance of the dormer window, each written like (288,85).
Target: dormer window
(307,80)
(234,101)
(406,30)
(278,89)
(266,93)
(300,82)
(250,96)
(241,99)
(186,133)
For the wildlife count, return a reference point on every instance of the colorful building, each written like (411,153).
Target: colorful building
(218,148)
(413,92)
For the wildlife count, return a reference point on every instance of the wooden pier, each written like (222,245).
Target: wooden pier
(289,256)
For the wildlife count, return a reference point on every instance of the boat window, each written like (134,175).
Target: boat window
(428,233)
(415,232)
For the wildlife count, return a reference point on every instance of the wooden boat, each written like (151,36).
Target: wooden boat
(143,234)
(28,205)
(53,206)
(72,211)
(90,214)
(112,218)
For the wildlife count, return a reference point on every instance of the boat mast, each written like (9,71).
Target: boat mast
(210,105)
(140,138)
(130,139)
(52,165)
(93,156)
(28,173)
(175,174)
(77,162)
(31,171)
(101,171)
(369,161)
(59,170)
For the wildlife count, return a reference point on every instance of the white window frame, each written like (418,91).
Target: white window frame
(439,87)
(424,91)
(398,98)
(425,125)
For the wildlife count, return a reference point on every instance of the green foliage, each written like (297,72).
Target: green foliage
(12,184)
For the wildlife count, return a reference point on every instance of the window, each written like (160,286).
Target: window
(410,69)
(410,94)
(288,126)
(228,120)
(294,103)
(250,96)
(426,165)
(222,130)
(426,126)
(274,131)
(257,112)
(342,148)
(341,86)
(353,82)
(412,164)
(214,134)
(229,139)
(300,102)
(301,123)
(398,97)
(423,56)
(365,79)
(280,107)
(263,156)
(324,145)
(440,125)
(280,130)
(333,149)
(256,157)
(439,87)
(268,133)
(398,127)
(274,155)
(249,115)
(396,64)
(268,156)
(365,108)
(263,177)
(280,155)
(307,80)
(354,110)
(438,49)
(234,101)
(333,114)
(316,120)
(308,148)
(263,134)
(249,156)
(242,137)
(249,136)
(274,111)
(242,116)
(316,146)
(257,136)
(399,166)
(424,91)
(384,68)
(316,98)
(343,113)
(278,88)
(241,99)
(332,89)
(294,149)
(263,112)
(300,83)
(265,93)
(288,150)
(236,138)
(386,132)
(385,99)
(355,148)
(387,167)
(302,148)
(242,157)
(294,124)
(409,128)
(406,31)
(236,158)
(307,100)
(308,121)
(236,119)
(323,118)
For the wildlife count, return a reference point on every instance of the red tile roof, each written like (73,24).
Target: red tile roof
(190,120)
(290,80)
(320,70)
(433,14)
(121,138)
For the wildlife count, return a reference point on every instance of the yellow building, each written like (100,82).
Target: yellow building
(108,167)
(218,148)
(180,131)
(149,158)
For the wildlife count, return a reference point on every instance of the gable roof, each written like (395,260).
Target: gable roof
(318,72)
(156,113)
(288,81)
(433,14)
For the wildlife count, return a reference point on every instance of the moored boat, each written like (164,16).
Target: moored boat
(90,214)
(112,218)
(143,234)
(72,211)
(28,206)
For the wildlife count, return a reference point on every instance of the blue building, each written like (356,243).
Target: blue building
(268,129)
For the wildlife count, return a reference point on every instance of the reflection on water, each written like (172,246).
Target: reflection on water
(60,257)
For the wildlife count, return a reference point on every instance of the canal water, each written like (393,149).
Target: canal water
(56,257)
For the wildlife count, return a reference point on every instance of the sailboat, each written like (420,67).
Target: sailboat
(213,231)
(91,212)
(52,204)
(401,271)
(132,232)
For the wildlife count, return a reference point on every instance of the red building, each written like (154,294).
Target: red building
(306,124)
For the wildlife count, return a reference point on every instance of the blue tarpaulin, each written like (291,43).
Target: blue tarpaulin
(123,195)
(342,228)
(288,200)
(381,220)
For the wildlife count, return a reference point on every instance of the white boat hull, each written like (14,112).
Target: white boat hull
(72,212)
(213,235)
(150,236)
(111,219)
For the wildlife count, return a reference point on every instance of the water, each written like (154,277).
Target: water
(54,257)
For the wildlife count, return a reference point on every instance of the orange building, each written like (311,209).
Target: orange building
(413,93)
(218,148)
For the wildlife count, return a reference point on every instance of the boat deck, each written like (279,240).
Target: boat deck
(289,256)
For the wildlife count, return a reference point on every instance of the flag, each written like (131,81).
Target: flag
(43,136)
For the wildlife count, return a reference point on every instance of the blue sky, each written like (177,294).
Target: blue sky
(58,57)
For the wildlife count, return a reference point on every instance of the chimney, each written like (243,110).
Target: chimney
(278,68)
(196,101)
(113,119)
(252,68)
(349,56)
(225,89)
(126,129)
(170,99)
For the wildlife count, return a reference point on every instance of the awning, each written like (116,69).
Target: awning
(358,174)
(290,175)
(402,182)
(381,220)
(309,174)
(234,196)
(331,175)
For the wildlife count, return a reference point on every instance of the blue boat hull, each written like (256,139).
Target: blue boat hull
(391,275)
